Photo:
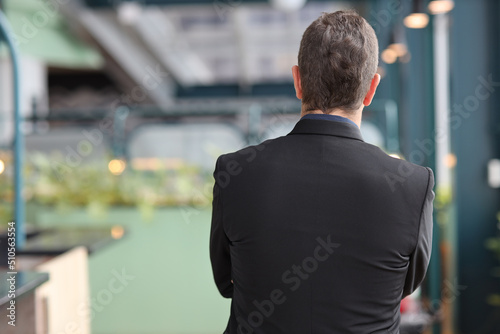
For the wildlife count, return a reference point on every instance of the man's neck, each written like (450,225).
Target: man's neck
(354,116)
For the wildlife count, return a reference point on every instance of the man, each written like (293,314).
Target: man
(318,231)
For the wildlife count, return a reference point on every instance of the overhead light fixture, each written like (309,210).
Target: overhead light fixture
(288,5)
(441,6)
(129,12)
(418,19)
(399,48)
(389,56)
(397,41)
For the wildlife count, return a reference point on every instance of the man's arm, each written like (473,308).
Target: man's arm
(419,260)
(219,244)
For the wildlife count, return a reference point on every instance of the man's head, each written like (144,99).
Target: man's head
(338,60)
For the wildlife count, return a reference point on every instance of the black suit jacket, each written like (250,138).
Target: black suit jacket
(320,232)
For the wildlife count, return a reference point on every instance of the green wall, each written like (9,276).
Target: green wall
(172,290)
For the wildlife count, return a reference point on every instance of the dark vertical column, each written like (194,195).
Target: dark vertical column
(473,143)
(420,137)
(418,96)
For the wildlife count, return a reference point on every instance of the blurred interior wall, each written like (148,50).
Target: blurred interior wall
(33,92)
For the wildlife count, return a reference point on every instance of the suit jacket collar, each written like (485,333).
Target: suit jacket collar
(326,127)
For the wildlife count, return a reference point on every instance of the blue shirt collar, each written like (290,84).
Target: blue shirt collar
(326,117)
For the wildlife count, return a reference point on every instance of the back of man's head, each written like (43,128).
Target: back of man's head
(338,58)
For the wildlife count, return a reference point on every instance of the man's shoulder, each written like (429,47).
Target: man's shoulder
(401,173)
(248,153)
(396,161)
(398,173)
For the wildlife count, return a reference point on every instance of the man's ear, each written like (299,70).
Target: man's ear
(371,92)
(296,82)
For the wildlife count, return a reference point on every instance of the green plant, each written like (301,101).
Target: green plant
(51,183)
(493,244)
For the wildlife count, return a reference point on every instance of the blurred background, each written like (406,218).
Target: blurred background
(113,112)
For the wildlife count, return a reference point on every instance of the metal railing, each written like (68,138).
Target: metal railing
(6,35)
